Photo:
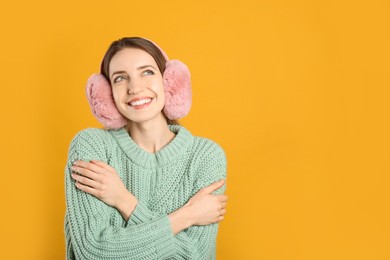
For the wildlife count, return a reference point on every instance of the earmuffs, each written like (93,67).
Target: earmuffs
(177,90)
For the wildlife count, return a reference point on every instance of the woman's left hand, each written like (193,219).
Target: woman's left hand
(102,181)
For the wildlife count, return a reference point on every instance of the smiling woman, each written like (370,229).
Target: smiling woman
(136,85)
(144,187)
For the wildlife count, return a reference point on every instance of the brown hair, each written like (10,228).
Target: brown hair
(138,43)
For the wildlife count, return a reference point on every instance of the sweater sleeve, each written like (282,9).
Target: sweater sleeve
(92,236)
(196,242)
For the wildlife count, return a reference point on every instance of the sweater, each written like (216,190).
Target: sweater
(162,182)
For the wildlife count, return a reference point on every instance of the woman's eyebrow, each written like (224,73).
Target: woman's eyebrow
(145,66)
(139,68)
(118,72)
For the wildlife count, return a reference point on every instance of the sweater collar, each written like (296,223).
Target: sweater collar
(165,155)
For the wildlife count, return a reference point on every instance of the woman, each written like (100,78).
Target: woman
(145,188)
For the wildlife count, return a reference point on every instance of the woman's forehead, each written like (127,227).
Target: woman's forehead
(131,58)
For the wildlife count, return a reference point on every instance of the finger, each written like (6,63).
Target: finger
(222,212)
(213,187)
(86,172)
(220,218)
(86,189)
(222,197)
(90,166)
(85,181)
(103,165)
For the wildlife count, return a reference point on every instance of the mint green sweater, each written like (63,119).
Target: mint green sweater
(162,182)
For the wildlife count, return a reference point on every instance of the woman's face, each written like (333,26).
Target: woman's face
(137,85)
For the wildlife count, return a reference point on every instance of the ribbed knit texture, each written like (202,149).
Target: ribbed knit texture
(162,182)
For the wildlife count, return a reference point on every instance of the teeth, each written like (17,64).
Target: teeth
(140,102)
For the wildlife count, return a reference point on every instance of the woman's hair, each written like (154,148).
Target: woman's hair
(138,43)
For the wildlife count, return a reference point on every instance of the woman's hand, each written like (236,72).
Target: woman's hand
(202,209)
(103,182)
(207,208)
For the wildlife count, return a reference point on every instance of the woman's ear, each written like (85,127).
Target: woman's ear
(102,102)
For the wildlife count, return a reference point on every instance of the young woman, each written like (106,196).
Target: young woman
(144,187)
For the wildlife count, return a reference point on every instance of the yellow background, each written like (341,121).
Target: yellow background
(296,92)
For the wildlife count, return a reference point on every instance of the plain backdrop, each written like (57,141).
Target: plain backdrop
(296,93)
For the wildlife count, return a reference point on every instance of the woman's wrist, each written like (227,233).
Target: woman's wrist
(180,219)
(127,205)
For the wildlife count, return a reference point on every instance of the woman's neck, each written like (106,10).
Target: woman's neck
(151,135)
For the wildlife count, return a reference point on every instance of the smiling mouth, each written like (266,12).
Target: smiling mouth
(140,102)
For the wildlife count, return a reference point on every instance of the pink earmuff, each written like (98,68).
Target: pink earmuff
(177,89)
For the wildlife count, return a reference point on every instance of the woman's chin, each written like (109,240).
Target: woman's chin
(140,118)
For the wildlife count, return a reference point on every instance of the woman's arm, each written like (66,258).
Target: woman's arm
(91,232)
(202,209)
(102,181)
(195,242)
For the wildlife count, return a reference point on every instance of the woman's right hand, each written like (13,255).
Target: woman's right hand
(205,207)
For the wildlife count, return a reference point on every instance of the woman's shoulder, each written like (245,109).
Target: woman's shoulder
(93,142)
(95,138)
(209,160)
(91,134)
(208,148)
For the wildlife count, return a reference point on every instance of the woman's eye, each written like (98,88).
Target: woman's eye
(119,79)
(148,72)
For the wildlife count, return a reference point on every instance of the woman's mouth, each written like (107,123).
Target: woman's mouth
(140,103)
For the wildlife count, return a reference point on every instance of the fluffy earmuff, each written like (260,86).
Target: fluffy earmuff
(102,102)
(177,89)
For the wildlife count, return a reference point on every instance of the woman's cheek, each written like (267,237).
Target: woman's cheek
(158,88)
(118,95)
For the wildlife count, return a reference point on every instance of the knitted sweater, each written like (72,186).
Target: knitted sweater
(162,182)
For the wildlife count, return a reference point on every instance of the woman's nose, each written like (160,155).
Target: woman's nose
(134,87)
